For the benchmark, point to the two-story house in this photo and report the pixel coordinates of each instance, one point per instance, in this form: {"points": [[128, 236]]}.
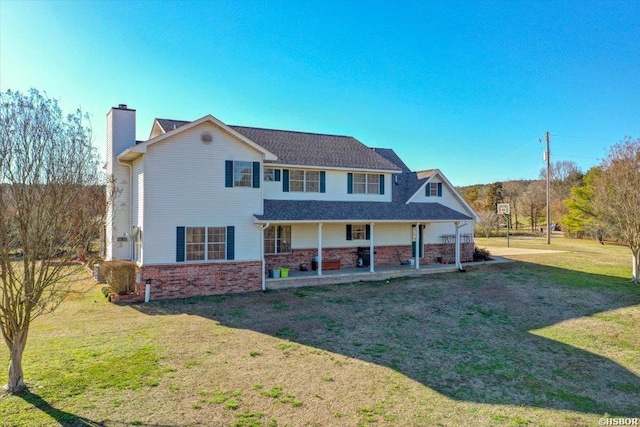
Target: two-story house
{"points": [[208, 208]]}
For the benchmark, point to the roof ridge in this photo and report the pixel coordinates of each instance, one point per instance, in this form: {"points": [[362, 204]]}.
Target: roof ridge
{"points": [[292, 131]]}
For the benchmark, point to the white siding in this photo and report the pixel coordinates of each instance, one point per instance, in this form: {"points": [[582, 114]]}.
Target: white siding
{"points": [[185, 186], [305, 236], [137, 202], [336, 189]]}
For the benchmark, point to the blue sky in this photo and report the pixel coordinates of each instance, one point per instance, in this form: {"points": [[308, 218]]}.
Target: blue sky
{"points": [[464, 86]]}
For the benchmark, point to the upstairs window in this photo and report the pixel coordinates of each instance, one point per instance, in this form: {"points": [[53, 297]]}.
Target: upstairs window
{"points": [[242, 174], [299, 180], [365, 183], [434, 189], [269, 174]]}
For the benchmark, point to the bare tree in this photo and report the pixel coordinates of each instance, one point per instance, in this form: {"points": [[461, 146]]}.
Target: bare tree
{"points": [[533, 201], [488, 221], [512, 191], [616, 197], [48, 177]]}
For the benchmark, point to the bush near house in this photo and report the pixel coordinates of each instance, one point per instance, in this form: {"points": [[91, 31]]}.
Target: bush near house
{"points": [[481, 254], [120, 276]]}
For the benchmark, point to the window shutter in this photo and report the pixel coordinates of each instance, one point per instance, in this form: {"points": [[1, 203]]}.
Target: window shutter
{"points": [[439, 189], [427, 191], [231, 234], [349, 232], [323, 182], [367, 231], [285, 180], [180, 243], [381, 184], [349, 183], [276, 175], [256, 175], [228, 173]]}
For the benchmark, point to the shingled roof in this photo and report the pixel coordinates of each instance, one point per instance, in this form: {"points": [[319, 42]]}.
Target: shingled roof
{"points": [[308, 149], [391, 155], [316, 210]]}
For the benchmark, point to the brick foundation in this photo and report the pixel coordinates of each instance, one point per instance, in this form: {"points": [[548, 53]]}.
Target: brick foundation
{"points": [[188, 280], [384, 256]]}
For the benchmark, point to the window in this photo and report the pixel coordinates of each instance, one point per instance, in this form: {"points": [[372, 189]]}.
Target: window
{"points": [[216, 242], [242, 174], [269, 174], [358, 231], [296, 180], [305, 181], [195, 243], [277, 239], [205, 243], [367, 183], [434, 189]]}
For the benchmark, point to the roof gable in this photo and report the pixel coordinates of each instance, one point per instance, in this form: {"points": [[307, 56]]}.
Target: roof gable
{"points": [[426, 176], [139, 149]]}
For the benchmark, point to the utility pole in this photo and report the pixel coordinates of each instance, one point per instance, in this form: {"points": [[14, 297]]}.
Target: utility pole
{"points": [[547, 156]]}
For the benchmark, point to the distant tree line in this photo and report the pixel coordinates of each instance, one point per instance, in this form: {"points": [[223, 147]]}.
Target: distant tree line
{"points": [[603, 203]]}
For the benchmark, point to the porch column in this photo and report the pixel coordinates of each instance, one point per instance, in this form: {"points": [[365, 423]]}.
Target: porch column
{"points": [[371, 248], [263, 262], [319, 249], [458, 264], [417, 245]]}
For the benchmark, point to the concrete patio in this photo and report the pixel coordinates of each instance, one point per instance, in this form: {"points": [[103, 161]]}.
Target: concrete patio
{"points": [[298, 279]]}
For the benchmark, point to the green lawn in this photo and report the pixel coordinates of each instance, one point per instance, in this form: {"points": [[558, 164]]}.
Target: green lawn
{"points": [[549, 340]]}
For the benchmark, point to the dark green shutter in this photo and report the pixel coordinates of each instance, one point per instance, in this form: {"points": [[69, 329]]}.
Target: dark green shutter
{"points": [[381, 184], [439, 189], [285, 180], [367, 232], [427, 192], [349, 183], [256, 175], [231, 235], [228, 173], [276, 174], [349, 232], [323, 181], [180, 242]]}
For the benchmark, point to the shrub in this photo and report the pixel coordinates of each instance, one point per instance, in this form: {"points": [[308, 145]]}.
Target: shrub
{"points": [[106, 291], [120, 276], [480, 254]]}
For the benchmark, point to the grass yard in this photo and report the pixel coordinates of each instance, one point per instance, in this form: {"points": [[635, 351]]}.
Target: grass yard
{"points": [[550, 340]]}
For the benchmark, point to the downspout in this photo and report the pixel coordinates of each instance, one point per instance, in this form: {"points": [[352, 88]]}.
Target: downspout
{"points": [[458, 262], [130, 204], [263, 261]]}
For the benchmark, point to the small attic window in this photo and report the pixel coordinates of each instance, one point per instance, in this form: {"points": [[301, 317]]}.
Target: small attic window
{"points": [[206, 138]]}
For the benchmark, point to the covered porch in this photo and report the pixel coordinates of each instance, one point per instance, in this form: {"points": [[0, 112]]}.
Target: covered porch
{"points": [[298, 279]]}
